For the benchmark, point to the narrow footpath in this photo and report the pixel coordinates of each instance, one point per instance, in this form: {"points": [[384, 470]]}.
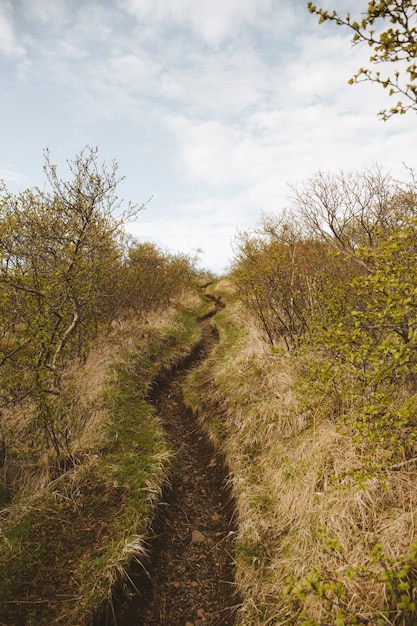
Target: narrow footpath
{"points": [[190, 576]]}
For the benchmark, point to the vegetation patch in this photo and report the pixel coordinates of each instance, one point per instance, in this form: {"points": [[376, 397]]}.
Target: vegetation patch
{"points": [[89, 318], [64, 546], [326, 508]]}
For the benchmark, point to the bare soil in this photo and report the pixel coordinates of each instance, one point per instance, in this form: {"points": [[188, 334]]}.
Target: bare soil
{"points": [[189, 580]]}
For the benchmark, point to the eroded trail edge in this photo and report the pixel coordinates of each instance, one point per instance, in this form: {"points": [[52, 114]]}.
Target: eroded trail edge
{"points": [[190, 579]]}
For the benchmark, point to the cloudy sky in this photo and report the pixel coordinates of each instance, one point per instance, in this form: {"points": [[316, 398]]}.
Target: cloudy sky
{"points": [[213, 107]]}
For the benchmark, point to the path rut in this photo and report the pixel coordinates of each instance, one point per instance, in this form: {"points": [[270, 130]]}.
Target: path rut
{"points": [[191, 577]]}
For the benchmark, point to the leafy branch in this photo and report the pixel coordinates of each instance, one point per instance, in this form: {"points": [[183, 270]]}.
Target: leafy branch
{"points": [[396, 44]]}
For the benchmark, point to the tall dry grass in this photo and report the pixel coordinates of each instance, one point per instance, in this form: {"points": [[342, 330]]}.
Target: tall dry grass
{"points": [[301, 509], [67, 539]]}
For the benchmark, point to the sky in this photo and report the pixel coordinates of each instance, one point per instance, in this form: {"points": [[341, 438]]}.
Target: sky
{"points": [[214, 108]]}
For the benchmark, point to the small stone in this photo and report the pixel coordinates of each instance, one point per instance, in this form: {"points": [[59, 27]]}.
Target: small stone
{"points": [[203, 492], [195, 584], [189, 623], [176, 584], [197, 537], [186, 479], [201, 613], [212, 463]]}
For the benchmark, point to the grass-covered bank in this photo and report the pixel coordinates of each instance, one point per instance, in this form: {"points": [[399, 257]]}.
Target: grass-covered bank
{"points": [[318, 541], [65, 541]]}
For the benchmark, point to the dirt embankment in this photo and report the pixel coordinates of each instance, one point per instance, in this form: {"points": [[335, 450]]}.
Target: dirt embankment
{"points": [[189, 580]]}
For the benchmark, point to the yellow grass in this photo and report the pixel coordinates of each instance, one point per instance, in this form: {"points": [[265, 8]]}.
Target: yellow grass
{"points": [[300, 508], [120, 458]]}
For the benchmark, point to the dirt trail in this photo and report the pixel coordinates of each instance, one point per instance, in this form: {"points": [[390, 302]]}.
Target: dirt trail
{"points": [[191, 569]]}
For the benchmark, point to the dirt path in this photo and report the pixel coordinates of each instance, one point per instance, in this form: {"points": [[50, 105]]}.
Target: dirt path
{"points": [[191, 569]]}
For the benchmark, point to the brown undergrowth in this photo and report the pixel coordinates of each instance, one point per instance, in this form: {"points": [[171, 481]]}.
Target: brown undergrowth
{"points": [[317, 543], [67, 537]]}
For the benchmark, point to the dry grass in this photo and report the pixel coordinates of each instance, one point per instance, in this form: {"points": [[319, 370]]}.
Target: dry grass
{"points": [[300, 507], [83, 412], [68, 538]]}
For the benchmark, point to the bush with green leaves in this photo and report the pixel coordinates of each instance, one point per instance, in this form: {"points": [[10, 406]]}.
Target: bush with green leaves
{"points": [[337, 283]]}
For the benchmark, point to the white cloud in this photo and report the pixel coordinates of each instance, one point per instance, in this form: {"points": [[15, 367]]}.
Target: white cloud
{"points": [[264, 150], [11, 176], [207, 224], [206, 149], [58, 12], [223, 83], [9, 45], [212, 20], [133, 72]]}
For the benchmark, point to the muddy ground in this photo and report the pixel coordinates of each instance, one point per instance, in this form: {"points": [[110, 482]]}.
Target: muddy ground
{"points": [[189, 580]]}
